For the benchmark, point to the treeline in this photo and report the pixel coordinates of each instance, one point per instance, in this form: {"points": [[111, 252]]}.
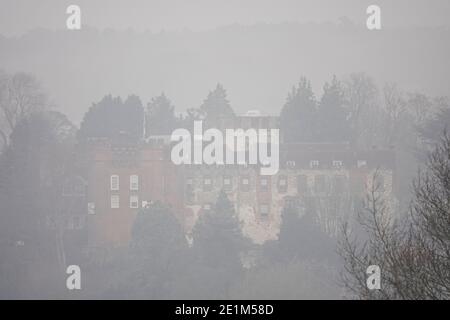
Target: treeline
{"points": [[353, 110], [37, 157]]}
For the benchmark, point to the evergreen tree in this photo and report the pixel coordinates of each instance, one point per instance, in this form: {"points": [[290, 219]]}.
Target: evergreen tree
{"points": [[161, 118], [218, 245], [333, 121], [158, 253], [112, 117], [216, 106], [301, 238], [298, 116], [218, 237]]}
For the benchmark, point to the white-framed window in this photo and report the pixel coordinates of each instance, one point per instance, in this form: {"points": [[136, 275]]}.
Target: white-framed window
{"points": [[134, 201], [91, 207], [134, 182], [207, 184], [245, 184], [114, 182], [362, 163], [264, 184], [290, 164], [282, 184], [115, 201], [337, 164], [226, 181], [314, 164]]}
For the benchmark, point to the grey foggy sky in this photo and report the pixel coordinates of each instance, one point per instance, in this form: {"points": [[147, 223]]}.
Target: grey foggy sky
{"points": [[19, 16]]}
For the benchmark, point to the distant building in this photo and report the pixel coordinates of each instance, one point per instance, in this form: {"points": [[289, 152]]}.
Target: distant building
{"points": [[326, 180], [124, 177]]}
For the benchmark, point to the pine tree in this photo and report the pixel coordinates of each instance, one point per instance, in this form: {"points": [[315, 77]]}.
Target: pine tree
{"points": [[161, 118], [216, 106], [297, 118], [333, 121], [218, 239]]}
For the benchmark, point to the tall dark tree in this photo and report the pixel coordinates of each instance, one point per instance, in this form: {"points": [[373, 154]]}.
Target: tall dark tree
{"points": [[218, 247], [157, 254], [160, 118], [216, 106], [333, 121], [33, 169], [298, 116], [112, 117], [301, 238]]}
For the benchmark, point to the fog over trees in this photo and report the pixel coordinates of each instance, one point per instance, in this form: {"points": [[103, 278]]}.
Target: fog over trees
{"points": [[216, 261], [67, 123]]}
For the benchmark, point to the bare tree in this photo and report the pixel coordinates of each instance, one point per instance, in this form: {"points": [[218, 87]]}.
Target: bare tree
{"points": [[395, 109], [20, 95], [413, 253], [361, 95]]}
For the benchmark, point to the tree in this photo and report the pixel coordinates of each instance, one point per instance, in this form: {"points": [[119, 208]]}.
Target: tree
{"points": [[157, 254], [218, 247], [298, 116], [33, 169], [361, 94], [112, 117], [332, 116], [432, 128], [216, 106], [160, 118], [413, 253], [300, 238], [20, 95]]}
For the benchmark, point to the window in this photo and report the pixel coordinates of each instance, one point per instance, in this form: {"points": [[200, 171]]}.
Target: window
{"points": [[114, 182], [207, 184], [134, 182], [189, 190], [302, 184], [114, 202], [337, 164], [207, 207], [227, 183], [264, 210], [282, 184], [76, 223], [290, 164], [362, 163], [314, 164], [245, 184], [91, 208], [264, 184], [134, 202], [319, 183]]}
